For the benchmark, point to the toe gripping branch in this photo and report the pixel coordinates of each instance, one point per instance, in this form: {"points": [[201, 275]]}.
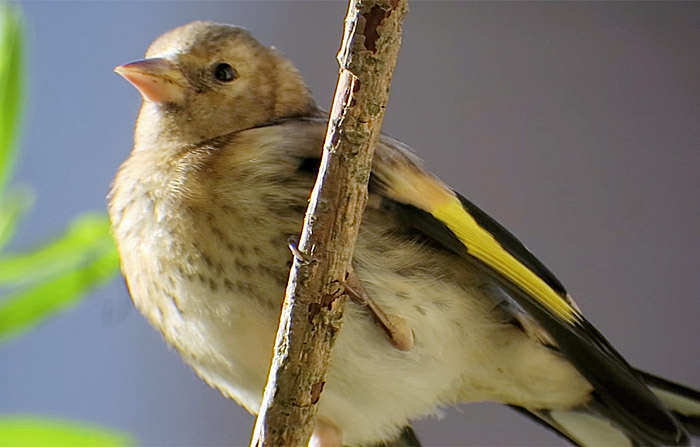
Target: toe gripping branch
{"points": [[394, 327]]}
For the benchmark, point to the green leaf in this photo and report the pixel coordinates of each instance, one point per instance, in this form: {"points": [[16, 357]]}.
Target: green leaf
{"points": [[11, 88], [12, 209], [24, 310], [30, 431], [86, 235]]}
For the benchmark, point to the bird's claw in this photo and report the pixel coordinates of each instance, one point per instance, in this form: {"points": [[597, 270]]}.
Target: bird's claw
{"points": [[395, 328], [293, 244]]}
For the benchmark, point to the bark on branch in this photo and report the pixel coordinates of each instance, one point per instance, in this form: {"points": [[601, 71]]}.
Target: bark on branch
{"points": [[313, 306]]}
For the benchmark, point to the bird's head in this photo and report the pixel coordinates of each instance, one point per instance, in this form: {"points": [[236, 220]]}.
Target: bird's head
{"points": [[205, 79]]}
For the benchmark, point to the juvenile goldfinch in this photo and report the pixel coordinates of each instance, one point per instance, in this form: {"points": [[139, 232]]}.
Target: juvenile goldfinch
{"points": [[226, 149]]}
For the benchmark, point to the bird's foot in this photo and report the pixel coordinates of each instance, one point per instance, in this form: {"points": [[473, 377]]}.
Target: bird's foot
{"points": [[293, 244], [325, 434], [396, 329]]}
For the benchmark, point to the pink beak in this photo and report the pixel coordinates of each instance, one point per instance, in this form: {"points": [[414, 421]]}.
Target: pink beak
{"points": [[157, 79]]}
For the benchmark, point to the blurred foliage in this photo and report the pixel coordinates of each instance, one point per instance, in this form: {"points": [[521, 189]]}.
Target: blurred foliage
{"points": [[59, 274], [11, 88], [55, 276], [31, 431], [15, 203], [50, 278]]}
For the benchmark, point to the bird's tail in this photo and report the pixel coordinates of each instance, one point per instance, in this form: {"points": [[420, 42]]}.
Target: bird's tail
{"points": [[682, 402], [589, 426]]}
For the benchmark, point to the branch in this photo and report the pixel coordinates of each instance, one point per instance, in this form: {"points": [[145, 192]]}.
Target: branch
{"points": [[313, 306]]}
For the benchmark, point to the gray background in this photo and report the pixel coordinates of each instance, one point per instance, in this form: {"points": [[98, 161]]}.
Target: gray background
{"points": [[576, 125]]}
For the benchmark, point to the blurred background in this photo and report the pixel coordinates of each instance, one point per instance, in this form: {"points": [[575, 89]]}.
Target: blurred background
{"points": [[577, 125]]}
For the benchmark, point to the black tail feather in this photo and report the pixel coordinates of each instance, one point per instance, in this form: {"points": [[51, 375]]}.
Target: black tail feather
{"points": [[681, 401], [590, 424]]}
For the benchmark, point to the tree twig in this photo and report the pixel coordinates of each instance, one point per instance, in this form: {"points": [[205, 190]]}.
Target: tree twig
{"points": [[313, 306]]}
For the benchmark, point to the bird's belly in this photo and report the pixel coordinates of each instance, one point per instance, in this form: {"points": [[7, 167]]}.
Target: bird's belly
{"points": [[371, 388], [225, 336], [220, 311]]}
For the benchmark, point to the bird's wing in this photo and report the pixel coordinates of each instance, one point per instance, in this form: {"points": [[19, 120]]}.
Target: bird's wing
{"points": [[427, 205]]}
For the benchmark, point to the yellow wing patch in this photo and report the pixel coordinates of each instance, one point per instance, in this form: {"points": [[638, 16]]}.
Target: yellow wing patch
{"points": [[408, 184], [483, 246]]}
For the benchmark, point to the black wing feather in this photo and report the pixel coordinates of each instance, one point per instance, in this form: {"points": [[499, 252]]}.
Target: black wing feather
{"points": [[618, 387], [512, 245]]}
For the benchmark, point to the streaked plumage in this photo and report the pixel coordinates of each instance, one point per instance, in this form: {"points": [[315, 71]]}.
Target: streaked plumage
{"points": [[218, 180]]}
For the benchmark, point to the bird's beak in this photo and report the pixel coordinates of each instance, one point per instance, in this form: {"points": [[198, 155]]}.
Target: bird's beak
{"points": [[157, 79]]}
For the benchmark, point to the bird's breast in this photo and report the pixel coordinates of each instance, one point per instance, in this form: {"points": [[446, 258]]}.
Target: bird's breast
{"points": [[207, 273]]}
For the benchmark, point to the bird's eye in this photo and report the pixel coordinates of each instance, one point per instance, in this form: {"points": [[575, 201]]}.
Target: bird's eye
{"points": [[224, 72]]}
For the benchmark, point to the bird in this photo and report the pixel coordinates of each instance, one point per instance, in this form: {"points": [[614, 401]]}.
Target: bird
{"points": [[226, 148]]}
